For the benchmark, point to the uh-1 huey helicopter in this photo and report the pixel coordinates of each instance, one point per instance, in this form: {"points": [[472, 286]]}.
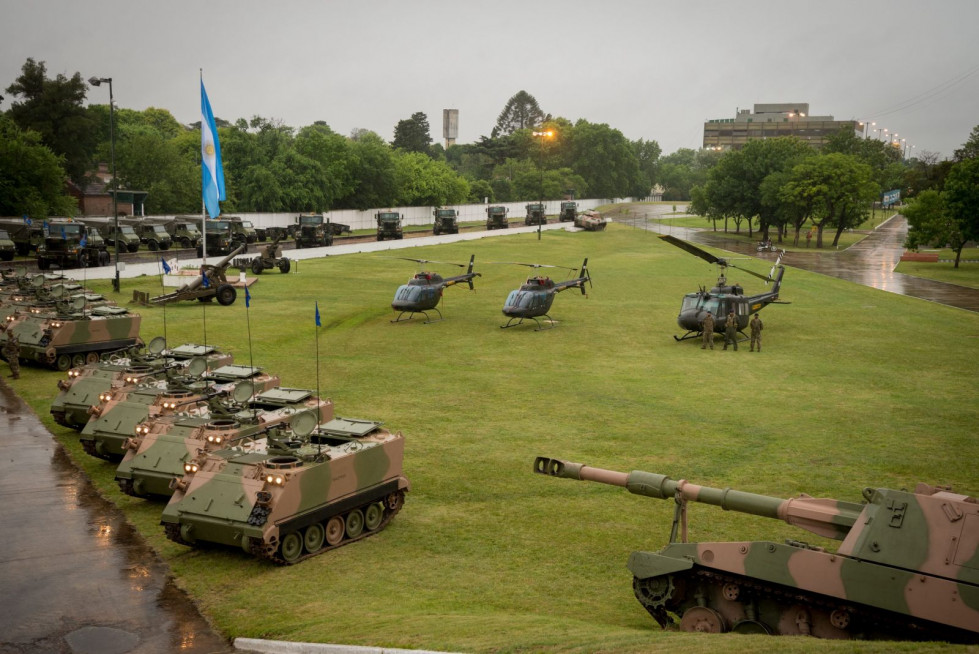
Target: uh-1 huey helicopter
{"points": [[423, 292], [723, 298], [535, 297]]}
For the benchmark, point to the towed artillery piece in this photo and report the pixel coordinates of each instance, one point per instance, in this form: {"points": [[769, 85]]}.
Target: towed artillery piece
{"points": [[293, 494], [211, 283], [907, 568], [269, 258]]}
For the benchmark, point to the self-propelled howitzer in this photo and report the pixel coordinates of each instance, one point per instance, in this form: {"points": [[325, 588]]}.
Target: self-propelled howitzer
{"points": [[907, 567]]}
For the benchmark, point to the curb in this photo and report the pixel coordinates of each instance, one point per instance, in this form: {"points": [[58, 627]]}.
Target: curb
{"points": [[260, 646]]}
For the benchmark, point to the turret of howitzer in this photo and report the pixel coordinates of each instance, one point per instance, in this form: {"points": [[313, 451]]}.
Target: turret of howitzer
{"points": [[907, 567]]}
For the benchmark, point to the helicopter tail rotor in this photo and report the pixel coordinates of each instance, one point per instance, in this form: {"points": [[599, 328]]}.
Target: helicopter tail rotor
{"points": [[585, 275]]}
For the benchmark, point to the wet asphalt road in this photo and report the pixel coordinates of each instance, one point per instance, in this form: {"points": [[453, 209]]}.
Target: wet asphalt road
{"points": [[75, 578]]}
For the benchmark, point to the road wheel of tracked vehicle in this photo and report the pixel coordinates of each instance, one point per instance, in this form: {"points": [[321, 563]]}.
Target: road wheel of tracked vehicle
{"points": [[313, 538], [284, 266], [355, 523], [63, 362], [104, 258], [373, 516], [702, 619], [257, 266], [291, 547], [92, 358], [751, 627], [78, 361], [334, 530], [226, 295]]}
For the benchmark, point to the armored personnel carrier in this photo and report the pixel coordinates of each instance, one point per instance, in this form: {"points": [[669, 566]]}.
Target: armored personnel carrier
{"points": [[80, 391], [74, 335], [591, 221], [118, 413], [162, 446], [296, 493], [906, 569]]}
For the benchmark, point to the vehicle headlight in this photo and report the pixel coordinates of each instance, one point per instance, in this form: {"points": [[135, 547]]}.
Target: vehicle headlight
{"points": [[105, 397], [214, 439], [142, 430], [275, 479], [190, 467]]}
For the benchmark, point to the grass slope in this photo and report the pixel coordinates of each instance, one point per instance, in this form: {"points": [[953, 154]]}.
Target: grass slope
{"points": [[855, 387]]}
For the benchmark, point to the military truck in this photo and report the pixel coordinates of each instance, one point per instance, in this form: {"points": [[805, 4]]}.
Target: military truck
{"points": [[297, 493], [152, 232], [27, 234], [125, 238], [312, 230], [68, 243], [242, 231], [446, 222], [496, 218], [185, 231], [7, 247], [388, 225], [219, 239], [535, 214], [569, 211]]}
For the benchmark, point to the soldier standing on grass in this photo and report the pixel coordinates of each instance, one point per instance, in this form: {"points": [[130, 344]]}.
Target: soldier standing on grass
{"points": [[756, 328], [11, 351], [708, 329], [731, 331]]}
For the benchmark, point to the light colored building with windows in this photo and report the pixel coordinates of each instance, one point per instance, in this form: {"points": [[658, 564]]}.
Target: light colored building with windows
{"points": [[770, 120]]}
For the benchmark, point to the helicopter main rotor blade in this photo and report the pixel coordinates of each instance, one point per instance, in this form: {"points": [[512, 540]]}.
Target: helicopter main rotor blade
{"points": [[767, 278], [444, 263], [529, 265], [692, 249]]}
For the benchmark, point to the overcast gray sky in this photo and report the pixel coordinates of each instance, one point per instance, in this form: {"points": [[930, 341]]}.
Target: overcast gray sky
{"points": [[654, 70]]}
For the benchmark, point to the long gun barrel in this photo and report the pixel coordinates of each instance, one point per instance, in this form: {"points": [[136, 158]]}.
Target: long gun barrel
{"points": [[825, 517], [219, 267]]}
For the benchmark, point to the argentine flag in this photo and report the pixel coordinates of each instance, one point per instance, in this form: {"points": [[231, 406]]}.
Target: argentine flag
{"points": [[212, 172]]}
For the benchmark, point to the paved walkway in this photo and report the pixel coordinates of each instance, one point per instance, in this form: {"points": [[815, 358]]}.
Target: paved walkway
{"points": [[76, 578]]}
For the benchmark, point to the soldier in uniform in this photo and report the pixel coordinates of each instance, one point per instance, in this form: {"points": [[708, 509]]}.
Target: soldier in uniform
{"points": [[731, 331], [708, 330], [11, 351], [756, 328]]}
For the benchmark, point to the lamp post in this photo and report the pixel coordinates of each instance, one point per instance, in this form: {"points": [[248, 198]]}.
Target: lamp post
{"points": [[98, 81], [542, 135], [866, 129]]}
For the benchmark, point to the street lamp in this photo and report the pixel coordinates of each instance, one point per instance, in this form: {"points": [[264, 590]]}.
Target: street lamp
{"points": [[98, 81], [542, 135], [866, 128]]}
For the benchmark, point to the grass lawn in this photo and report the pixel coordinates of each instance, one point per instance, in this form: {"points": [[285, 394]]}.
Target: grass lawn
{"points": [[855, 387], [967, 274]]}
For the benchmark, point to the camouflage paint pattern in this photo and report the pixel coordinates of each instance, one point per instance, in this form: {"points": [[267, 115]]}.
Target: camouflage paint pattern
{"points": [[61, 341], [115, 418], [591, 221], [81, 390], [293, 505], [157, 453], [907, 567]]}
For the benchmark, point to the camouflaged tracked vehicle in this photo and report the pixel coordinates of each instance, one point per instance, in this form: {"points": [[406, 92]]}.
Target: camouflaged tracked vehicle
{"points": [[162, 446], [294, 494], [188, 391], [75, 336], [84, 385], [907, 568], [591, 221]]}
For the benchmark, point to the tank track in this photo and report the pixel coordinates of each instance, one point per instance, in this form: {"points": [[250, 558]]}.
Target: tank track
{"points": [[865, 622], [261, 550], [126, 486], [89, 447]]}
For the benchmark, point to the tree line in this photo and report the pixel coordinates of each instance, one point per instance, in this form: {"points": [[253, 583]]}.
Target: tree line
{"points": [[50, 134]]}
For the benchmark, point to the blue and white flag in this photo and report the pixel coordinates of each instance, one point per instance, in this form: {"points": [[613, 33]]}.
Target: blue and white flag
{"points": [[64, 237], [84, 241], [27, 219], [207, 284], [166, 267], [212, 171], [248, 298], [317, 314]]}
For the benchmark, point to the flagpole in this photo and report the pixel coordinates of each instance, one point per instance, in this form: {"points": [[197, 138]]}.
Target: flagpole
{"points": [[317, 355], [248, 323], [164, 289]]}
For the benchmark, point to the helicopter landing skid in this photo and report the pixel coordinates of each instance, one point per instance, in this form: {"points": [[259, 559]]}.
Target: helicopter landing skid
{"points": [[540, 327], [686, 336], [428, 320]]}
